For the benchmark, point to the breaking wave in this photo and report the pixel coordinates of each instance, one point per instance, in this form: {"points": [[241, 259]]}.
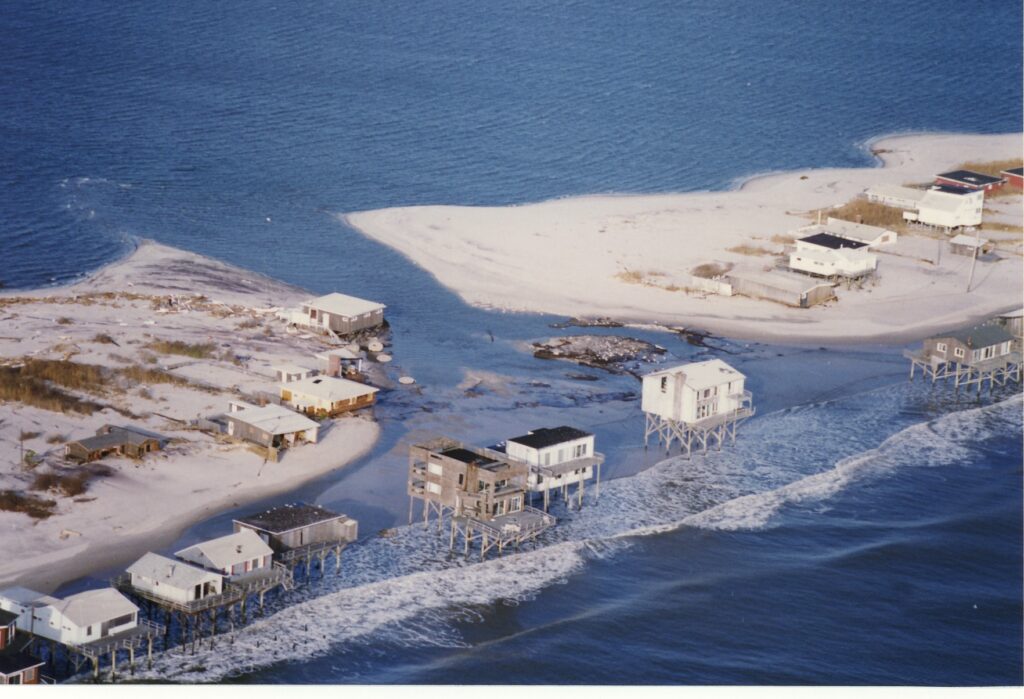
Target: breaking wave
{"points": [[409, 590]]}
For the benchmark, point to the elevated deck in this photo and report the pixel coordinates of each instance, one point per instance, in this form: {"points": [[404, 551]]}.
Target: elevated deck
{"points": [[504, 530], [998, 371], [714, 429]]}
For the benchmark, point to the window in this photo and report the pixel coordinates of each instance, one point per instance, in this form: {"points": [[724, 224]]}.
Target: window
{"points": [[88, 631], [958, 352], [462, 479], [581, 450], [664, 384], [940, 347]]}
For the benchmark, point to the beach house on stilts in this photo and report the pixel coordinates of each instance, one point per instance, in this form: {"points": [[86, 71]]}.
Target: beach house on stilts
{"points": [[299, 532], [970, 357], [557, 457], [482, 490], [16, 666], [697, 404]]}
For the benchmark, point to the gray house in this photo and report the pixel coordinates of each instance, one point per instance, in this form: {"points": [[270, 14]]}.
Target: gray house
{"points": [[269, 425], [969, 347], [341, 314], [113, 439], [299, 525]]}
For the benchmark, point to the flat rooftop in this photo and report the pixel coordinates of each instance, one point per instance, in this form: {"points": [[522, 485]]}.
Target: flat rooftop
{"points": [[297, 515], [468, 457], [833, 242], [949, 190], [969, 178], [549, 436]]}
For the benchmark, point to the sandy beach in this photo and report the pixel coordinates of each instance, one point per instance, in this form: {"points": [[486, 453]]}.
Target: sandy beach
{"points": [[116, 319], [615, 255]]}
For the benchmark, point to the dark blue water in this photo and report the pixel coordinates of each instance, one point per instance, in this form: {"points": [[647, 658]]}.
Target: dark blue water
{"points": [[241, 129]]}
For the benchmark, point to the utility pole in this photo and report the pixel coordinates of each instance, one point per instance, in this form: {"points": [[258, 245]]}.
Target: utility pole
{"points": [[974, 258]]}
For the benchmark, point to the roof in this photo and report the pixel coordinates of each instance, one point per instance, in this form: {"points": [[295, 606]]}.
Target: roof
{"points": [[981, 336], [344, 305], [830, 256], [468, 457], [226, 551], [549, 436], [1013, 314], [712, 372], [95, 606], [849, 229], [1017, 171], [13, 661], [272, 419], [968, 240], [834, 242], [291, 369], [118, 434], [25, 596], [169, 571], [279, 520], [895, 191], [938, 199], [7, 618], [329, 388], [342, 352], [959, 191], [969, 178]]}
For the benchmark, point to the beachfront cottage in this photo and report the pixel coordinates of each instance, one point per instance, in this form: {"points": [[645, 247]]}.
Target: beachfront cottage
{"points": [[969, 245], [236, 555], [300, 526], [948, 207], [173, 581], [826, 255], [557, 457], [968, 179], [341, 314], [340, 361], [75, 620], [483, 491], [286, 373], [695, 403], [1013, 321], [871, 236], [1014, 177], [970, 347], [327, 396], [893, 195], [123, 440], [272, 426], [16, 667]]}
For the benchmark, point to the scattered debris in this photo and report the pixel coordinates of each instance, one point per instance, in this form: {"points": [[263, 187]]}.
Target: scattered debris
{"points": [[607, 352]]}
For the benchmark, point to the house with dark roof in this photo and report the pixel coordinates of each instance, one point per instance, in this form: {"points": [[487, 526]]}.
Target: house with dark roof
{"points": [[300, 526], [123, 440], [968, 179], [1014, 177], [557, 457], [825, 254], [16, 666], [969, 347]]}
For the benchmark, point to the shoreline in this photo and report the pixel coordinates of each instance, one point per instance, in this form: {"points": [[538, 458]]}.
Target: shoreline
{"points": [[527, 257], [124, 513]]}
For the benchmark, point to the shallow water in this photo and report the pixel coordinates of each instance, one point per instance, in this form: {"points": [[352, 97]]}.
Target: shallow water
{"points": [[862, 529]]}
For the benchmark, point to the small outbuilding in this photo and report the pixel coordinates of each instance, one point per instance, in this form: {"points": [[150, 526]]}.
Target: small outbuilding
{"points": [[969, 245], [122, 440], [968, 179], [341, 314], [340, 361], [235, 556], [174, 581], [327, 396]]}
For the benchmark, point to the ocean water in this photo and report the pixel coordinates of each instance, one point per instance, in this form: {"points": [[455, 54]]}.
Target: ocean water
{"points": [[863, 530]]}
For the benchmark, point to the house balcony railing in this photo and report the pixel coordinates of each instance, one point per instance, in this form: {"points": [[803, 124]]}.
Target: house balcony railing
{"points": [[228, 596]]}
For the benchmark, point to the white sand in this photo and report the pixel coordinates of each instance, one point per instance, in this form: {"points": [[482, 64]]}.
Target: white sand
{"points": [[563, 256], [145, 504]]}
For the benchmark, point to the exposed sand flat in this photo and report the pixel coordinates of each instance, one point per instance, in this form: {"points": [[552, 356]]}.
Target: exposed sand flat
{"points": [[570, 256], [142, 505]]}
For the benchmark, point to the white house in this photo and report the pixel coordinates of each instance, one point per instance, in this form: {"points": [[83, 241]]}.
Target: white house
{"points": [[556, 456], [948, 207], [339, 313], [871, 236], [327, 395], [75, 620], [827, 255], [173, 580], [894, 195], [284, 373], [692, 392], [235, 555]]}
